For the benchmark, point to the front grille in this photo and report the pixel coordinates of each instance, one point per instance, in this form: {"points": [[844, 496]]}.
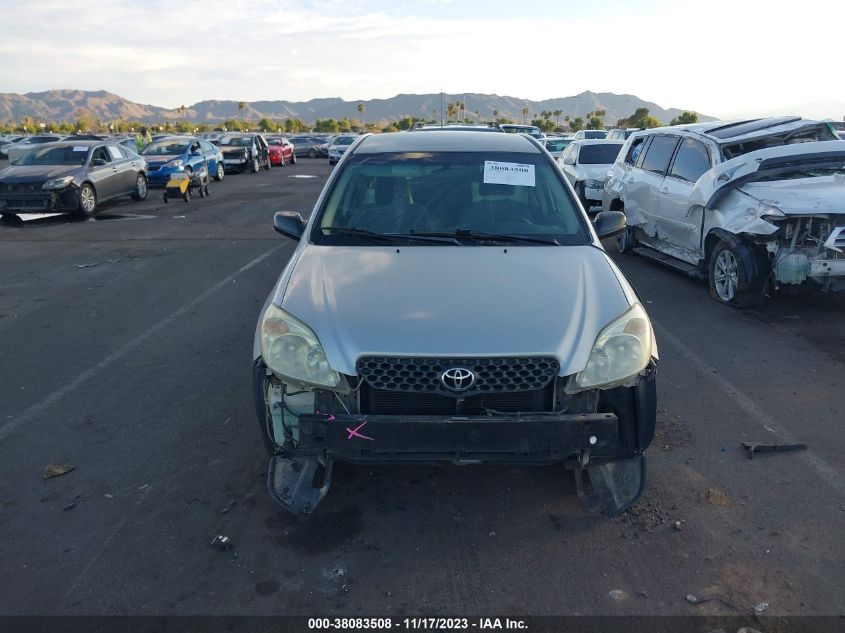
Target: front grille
{"points": [[39, 203], [153, 167], [25, 187], [423, 375], [382, 402]]}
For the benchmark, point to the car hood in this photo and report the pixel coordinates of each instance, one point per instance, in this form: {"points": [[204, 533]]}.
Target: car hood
{"points": [[593, 172], [454, 301], [30, 173], [803, 196], [756, 172]]}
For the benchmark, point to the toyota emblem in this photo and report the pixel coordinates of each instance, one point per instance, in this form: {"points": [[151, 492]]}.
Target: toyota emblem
{"points": [[457, 379]]}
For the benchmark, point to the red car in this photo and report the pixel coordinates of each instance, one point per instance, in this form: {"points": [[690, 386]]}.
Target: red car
{"points": [[281, 151]]}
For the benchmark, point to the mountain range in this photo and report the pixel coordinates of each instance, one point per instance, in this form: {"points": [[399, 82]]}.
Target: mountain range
{"points": [[67, 105]]}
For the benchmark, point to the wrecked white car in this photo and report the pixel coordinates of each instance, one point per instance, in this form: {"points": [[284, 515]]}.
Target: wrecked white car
{"points": [[751, 206], [449, 301]]}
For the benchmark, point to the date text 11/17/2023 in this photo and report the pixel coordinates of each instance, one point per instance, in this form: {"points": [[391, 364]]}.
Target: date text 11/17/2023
{"points": [[417, 624]]}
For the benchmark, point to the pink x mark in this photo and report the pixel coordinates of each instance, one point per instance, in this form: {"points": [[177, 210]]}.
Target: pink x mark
{"points": [[354, 432]]}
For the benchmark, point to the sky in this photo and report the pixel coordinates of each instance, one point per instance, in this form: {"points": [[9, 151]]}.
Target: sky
{"points": [[719, 57]]}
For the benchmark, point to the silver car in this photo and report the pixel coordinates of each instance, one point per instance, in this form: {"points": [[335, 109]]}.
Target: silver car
{"points": [[71, 176], [449, 300], [750, 206]]}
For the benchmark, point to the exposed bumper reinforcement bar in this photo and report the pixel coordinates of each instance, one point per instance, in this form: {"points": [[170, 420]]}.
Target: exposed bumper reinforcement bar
{"points": [[299, 477]]}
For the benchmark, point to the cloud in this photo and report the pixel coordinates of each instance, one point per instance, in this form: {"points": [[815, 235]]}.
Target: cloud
{"points": [[734, 56]]}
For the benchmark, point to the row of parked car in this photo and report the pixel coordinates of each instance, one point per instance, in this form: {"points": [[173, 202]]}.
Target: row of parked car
{"points": [[51, 173]]}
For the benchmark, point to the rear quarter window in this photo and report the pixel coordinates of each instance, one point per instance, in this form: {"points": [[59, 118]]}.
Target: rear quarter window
{"points": [[692, 160]]}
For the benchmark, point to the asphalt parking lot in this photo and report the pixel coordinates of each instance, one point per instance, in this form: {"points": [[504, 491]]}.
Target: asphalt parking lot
{"points": [[126, 343]]}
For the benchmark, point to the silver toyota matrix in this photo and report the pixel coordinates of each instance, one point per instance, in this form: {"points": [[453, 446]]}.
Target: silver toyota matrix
{"points": [[450, 301]]}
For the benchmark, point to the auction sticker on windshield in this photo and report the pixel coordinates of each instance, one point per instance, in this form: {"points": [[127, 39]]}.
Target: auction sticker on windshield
{"points": [[80, 148], [508, 174]]}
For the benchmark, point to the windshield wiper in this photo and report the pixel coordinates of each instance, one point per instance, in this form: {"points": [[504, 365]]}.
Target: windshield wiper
{"points": [[390, 237], [481, 236]]}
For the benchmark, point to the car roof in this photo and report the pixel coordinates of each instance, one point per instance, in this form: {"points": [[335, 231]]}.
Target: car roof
{"points": [[65, 142], [731, 131], [598, 141], [452, 141]]}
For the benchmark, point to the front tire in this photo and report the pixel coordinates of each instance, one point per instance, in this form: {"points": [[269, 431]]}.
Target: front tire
{"points": [[312, 153], [627, 240], [254, 166], [87, 201], [221, 172], [734, 276], [140, 192], [269, 164], [579, 191], [293, 158]]}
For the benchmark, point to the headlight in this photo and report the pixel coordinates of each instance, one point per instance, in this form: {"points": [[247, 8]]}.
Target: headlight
{"points": [[594, 184], [621, 351], [57, 183], [291, 349], [176, 164]]}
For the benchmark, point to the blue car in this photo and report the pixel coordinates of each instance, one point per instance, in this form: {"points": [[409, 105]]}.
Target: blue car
{"points": [[174, 154]]}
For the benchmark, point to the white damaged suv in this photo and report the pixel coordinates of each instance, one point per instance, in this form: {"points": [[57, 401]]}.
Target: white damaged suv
{"points": [[449, 300], [749, 205]]}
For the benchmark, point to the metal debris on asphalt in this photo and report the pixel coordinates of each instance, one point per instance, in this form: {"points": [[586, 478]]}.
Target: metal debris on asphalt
{"points": [[228, 507], [222, 542], [108, 495], [69, 506], [56, 470], [616, 594], [696, 600], [760, 607], [677, 525], [750, 448], [86, 265]]}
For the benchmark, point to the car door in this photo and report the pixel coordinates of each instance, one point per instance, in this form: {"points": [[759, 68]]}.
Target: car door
{"points": [[104, 174], [209, 152], [122, 169], [681, 224], [650, 172]]}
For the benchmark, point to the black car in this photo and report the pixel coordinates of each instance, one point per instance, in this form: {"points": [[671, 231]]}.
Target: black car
{"points": [[71, 176], [243, 152]]}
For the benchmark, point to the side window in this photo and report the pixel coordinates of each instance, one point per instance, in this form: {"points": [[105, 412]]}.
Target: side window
{"points": [[691, 161], [126, 152], [195, 147], [101, 154], [659, 154], [114, 152], [634, 151], [206, 146]]}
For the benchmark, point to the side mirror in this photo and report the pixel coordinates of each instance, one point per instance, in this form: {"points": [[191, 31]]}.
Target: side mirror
{"points": [[289, 223], [569, 161], [99, 162], [609, 223]]}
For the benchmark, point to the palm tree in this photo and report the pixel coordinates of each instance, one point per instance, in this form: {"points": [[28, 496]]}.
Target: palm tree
{"points": [[241, 105], [495, 114], [450, 110], [361, 109], [525, 112]]}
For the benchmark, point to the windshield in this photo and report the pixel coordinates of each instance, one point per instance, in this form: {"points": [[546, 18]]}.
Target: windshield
{"points": [[236, 141], [63, 155], [449, 192], [344, 140], [600, 154], [594, 133], [164, 148], [272, 140]]}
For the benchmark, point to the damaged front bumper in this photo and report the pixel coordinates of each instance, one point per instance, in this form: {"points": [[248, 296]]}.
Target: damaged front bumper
{"points": [[604, 448], [300, 477], [61, 200]]}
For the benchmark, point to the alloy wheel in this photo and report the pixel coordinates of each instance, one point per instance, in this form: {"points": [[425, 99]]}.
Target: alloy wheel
{"points": [[726, 275]]}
